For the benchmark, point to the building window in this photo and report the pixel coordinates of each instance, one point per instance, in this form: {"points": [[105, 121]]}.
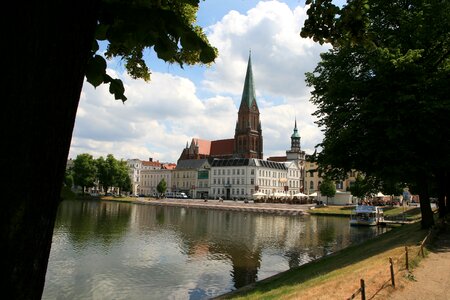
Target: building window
{"points": [[311, 185], [252, 181], [252, 172]]}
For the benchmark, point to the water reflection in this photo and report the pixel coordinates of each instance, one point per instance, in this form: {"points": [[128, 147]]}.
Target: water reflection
{"points": [[110, 250]]}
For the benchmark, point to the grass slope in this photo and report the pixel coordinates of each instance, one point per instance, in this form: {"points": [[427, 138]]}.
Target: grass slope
{"points": [[337, 276]]}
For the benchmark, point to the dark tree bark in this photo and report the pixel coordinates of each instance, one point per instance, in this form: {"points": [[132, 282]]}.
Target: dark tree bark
{"points": [[425, 206], [441, 189], [49, 43]]}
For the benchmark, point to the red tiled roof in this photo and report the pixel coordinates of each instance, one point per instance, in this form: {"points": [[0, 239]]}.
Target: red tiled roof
{"points": [[170, 166], [151, 163], [204, 146], [222, 147]]}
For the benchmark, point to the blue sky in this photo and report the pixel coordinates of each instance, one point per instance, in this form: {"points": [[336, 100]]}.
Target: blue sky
{"points": [[177, 105]]}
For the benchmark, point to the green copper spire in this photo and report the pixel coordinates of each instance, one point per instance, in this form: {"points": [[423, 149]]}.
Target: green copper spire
{"points": [[248, 95], [295, 134]]}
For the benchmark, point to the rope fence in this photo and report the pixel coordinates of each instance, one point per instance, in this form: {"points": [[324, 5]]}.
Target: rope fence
{"points": [[393, 271]]}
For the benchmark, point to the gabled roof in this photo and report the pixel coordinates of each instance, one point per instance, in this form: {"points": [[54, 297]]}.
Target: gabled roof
{"points": [[168, 166], [184, 164], [151, 163], [204, 146], [222, 147]]}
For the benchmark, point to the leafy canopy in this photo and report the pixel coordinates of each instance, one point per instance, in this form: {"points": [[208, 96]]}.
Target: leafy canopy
{"points": [[131, 26], [382, 91]]}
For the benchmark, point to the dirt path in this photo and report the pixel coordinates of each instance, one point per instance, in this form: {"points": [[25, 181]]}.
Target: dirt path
{"points": [[431, 277]]}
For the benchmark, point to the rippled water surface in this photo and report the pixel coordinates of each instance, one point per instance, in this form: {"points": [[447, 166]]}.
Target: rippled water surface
{"points": [[108, 250]]}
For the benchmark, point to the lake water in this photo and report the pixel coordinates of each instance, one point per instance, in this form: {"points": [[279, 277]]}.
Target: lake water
{"points": [[110, 250]]}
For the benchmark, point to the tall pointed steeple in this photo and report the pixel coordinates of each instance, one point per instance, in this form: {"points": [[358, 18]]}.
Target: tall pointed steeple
{"points": [[296, 153], [295, 138], [248, 141], [248, 94]]}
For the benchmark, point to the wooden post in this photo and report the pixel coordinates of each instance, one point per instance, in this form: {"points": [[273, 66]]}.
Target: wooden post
{"points": [[406, 258], [392, 271], [363, 290]]}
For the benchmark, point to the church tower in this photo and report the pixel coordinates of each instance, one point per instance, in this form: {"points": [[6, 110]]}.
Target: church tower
{"points": [[248, 141], [296, 152]]}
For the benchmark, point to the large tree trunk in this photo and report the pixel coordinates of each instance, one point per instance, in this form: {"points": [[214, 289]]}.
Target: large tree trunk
{"points": [[442, 179], [425, 206], [48, 44]]}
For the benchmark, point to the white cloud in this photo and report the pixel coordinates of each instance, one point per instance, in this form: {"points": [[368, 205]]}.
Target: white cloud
{"points": [[161, 116]]}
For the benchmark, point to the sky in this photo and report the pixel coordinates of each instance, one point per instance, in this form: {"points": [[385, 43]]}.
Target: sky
{"points": [[162, 115]]}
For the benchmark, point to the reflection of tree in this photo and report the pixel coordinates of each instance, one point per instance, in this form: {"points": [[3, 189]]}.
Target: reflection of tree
{"points": [[245, 266], [94, 221], [239, 238]]}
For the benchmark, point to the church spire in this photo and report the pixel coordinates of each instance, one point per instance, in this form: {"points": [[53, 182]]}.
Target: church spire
{"points": [[295, 138], [248, 140], [248, 94]]}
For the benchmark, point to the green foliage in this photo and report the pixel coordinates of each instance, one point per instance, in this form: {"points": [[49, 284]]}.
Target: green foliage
{"points": [[327, 188], [68, 178], [364, 186], [131, 27], [382, 91], [162, 186], [123, 180], [84, 171]]}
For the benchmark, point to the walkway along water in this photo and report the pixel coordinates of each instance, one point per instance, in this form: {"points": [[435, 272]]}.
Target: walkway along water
{"points": [[273, 208]]}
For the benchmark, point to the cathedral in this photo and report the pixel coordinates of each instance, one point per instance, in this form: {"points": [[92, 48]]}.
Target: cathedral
{"points": [[247, 141]]}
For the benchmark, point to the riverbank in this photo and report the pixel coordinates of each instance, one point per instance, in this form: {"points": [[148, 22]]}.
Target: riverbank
{"points": [[272, 208], [338, 276]]}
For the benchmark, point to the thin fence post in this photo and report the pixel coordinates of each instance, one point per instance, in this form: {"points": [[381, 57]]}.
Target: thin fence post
{"points": [[363, 290], [421, 250], [392, 271], [406, 258]]}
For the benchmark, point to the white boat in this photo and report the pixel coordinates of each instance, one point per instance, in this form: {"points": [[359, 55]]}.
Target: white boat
{"points": [[367, 215]]}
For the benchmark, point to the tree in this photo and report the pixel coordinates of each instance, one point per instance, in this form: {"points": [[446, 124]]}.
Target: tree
{"points": [[382, 90], [54, 48], [327, 188], [107, 171], [364, 186], [123, 177], [84, 171], [162, 186]]}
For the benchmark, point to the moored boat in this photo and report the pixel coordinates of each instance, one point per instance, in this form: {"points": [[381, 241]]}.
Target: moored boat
{"points": [[367, 215]]}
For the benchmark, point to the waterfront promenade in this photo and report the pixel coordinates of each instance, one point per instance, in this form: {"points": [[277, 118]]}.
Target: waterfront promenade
{"points": [[273, 208]]}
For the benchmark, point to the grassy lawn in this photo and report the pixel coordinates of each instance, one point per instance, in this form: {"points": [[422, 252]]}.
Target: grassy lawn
{"points": [[332, 210], [337, 276], [411, 212]]}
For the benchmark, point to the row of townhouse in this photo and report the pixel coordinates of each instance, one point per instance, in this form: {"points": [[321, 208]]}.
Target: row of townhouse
{"points": [[313, 179], [233, 178]]}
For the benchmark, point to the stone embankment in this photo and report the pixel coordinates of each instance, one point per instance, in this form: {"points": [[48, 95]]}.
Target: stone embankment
{"points": [[272, 208]]}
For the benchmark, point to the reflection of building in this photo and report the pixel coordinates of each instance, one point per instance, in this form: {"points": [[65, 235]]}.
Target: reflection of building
{"points": [[247, 141]]}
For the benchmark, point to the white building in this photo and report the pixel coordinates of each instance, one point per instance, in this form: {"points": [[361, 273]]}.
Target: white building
{"points": [[240, 178], [145, 175]]}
